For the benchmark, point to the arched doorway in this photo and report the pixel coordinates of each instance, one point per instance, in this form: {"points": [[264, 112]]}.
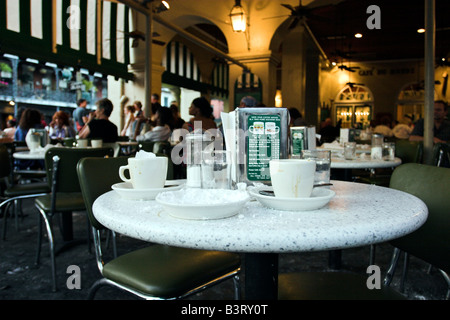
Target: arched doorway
{"points": [[354, 106], [410, 102]]}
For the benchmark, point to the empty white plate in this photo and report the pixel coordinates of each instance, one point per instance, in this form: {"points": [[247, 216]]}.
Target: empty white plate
{"points": [[202, 204], [319, 198], [126, 190]]}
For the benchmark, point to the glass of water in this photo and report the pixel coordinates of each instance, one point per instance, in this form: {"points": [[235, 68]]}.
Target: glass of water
{"points": [[323, 164], [350, 150], [388, 151], [216, 169]]}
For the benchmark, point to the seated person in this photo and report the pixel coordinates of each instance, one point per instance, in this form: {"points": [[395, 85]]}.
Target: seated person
{"points": [[441, 129], [203, 114], [60, 127], [98, 125], [161, 132]]}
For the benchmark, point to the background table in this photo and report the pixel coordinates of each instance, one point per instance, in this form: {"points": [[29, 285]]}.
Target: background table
{"points": [[358, 215], [28, 155]]}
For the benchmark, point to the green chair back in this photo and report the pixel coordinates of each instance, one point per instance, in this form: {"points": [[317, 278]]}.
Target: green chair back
{"points": [[409, 151], [5, 162], [96, 176], [146, 146], [431, 242], [67, 179], [69, 142]]}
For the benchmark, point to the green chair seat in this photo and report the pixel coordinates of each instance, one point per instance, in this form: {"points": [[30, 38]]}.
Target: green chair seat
{"points": [[64, 202], [331, 286], [167, 272], [27, 189]]}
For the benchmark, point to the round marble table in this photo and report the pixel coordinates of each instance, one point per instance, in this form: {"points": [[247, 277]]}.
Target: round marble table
{"points": [[358, 215], [363, 163]]}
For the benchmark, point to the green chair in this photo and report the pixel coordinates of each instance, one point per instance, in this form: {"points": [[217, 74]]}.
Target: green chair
{"points": [[409, 151], [157, 271], [146, 146], [13, 192], [65, 196], [431, 242]]}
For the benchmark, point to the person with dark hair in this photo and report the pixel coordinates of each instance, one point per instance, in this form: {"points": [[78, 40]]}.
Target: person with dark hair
{"points": [[98, 125], [178, 122], [10, 129], [60, 126], [441, 129], [154, 100], [162, 130], [201, 110], [296, 118], [80, 115], [30, 118]]}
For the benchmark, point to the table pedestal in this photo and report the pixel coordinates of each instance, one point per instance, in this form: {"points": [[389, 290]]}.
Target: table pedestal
{"points": [[261, 276]]}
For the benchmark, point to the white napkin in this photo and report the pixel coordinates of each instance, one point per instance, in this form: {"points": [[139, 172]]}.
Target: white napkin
{"points": [[229, 130]]}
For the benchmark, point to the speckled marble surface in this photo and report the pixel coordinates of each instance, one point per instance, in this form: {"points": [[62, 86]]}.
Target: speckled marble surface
{"points": [[359, 214]]}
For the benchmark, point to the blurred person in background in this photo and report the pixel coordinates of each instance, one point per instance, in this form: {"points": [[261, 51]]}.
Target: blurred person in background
{"points": [[60, 126]]}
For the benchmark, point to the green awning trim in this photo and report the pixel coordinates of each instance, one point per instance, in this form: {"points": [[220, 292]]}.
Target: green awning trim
{"points": [[24, 45]]}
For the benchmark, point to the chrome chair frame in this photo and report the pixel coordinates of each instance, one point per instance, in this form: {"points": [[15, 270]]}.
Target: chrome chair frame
{"points": [[106, 282]]}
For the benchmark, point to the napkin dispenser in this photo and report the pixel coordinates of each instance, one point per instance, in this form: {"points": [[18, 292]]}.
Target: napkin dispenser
{"points": [[261, 135]]}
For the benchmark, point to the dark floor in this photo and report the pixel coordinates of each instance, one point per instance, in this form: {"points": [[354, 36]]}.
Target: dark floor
{"points": [[20, 279]]}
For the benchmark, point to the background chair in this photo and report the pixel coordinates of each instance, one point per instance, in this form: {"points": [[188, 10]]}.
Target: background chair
{"points": [[157, 271], [12, 192], [441, 155], [65, 194], [431, 242], [409, 151]]}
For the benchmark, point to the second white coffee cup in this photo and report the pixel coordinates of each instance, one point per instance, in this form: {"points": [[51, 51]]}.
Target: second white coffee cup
{"points": [[292, 178], [145, 173]]}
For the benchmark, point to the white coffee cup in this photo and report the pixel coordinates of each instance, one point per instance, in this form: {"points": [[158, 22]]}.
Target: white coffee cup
{"points": [[96, 143], [82, 143], [145, 173], [292, 178]]}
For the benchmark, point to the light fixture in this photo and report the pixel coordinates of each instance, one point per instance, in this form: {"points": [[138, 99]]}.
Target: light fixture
{"points": [[163, 6], [238, 17], [358, 35], [12, 103], [421, 30]]}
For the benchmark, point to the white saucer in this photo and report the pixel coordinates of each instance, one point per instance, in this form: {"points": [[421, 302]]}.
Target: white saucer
{"points": [[202, 204], [319, 198], [126, 191]]}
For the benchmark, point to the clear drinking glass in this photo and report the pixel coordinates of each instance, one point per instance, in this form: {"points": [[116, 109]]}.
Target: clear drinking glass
{"points": [[323, 164], [216, 169], [350, 150], [389, 151]]}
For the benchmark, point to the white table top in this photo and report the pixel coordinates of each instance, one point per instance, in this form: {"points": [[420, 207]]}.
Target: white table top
{"points": [[363, 163], [359, 214]]}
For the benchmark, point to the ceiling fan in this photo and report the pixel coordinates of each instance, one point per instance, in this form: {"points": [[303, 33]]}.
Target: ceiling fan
{"points": [[137, 36], [350, 69], [301, 12]]}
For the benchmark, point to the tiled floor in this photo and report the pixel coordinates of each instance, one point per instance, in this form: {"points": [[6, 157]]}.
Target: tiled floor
{"points": [[21, 279]]}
